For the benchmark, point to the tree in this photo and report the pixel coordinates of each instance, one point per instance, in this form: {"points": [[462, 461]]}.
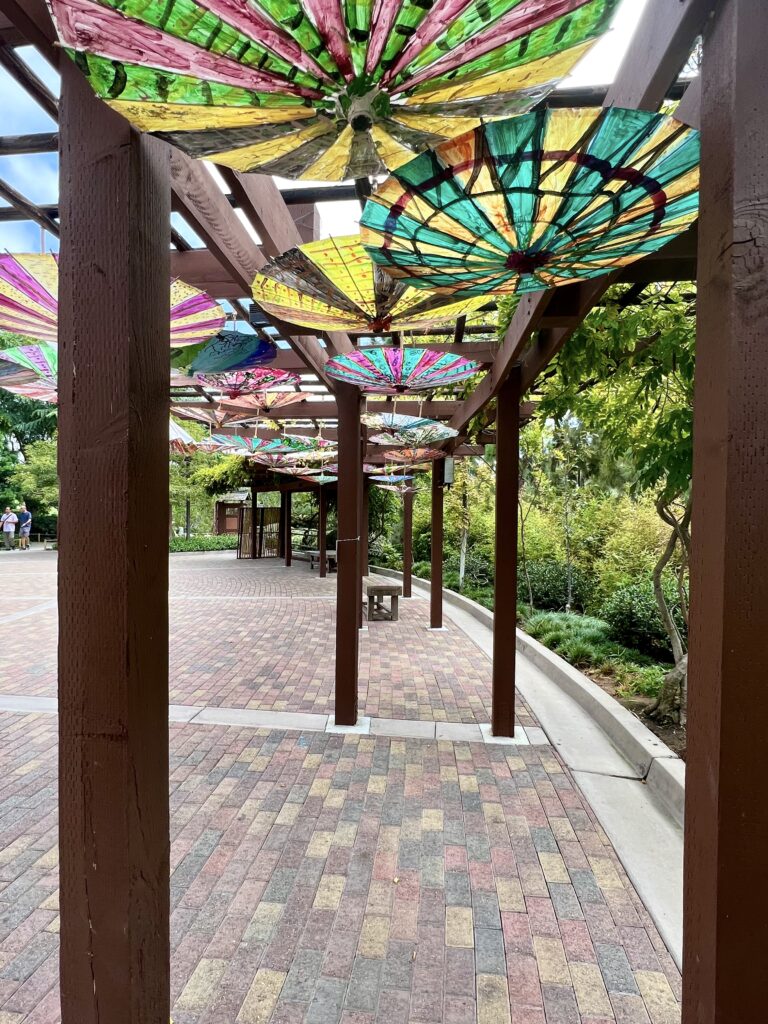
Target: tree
{"points": [[627, 375]]}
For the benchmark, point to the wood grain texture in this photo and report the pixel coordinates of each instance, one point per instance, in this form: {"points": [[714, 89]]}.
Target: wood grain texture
{"points": [[113, 566], [348, 589], [726, 813], [505, 576]]}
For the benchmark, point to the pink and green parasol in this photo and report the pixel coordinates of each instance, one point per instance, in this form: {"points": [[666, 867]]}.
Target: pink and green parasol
{"points": [[392, 371], [413, 455], [413, 431], [243, 382], [29, 303], [321, 89]]}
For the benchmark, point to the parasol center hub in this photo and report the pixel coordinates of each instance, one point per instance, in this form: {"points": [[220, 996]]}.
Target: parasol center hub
{"points": [[363, 108], [527, 262]]}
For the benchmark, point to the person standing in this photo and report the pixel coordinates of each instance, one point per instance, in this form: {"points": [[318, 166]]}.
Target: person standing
{"points": [[25, 527], [8, 522]]}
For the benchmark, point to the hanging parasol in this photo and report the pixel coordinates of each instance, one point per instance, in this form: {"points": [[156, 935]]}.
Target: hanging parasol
{"points": [[332, 284], [392, 478], [214, 414], [536, 201], [318, 89], [238, 443], [181, 442], [227, 350], [320, 479], [241, 382], [414, 455], [30, 371], [392, 371], [29, 304], [414, 431], [262, 402]]}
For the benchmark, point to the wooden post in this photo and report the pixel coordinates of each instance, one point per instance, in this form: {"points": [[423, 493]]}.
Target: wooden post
{"points": [[322, 530], [436, 584], [407, 542], [255, 549], [288, 542], [113, 567], [505, 585], [364, 527], [726, 813], [281, 527], [348, 590]]}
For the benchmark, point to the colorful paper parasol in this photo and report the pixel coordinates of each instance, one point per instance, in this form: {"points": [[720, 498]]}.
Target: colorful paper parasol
{"points": [[332, 284], [228, 350], [261, 402], [392, 371], [320, 479], [29, 304], [536, 201], [320, 89], [181, 442], [236, 442], [241, 382], [215, 415], [414, 431], [414, 455], [392, 478], [30, 371]]}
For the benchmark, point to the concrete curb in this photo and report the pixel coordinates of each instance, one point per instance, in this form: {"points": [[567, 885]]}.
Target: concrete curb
{"points": [[662, 769]]}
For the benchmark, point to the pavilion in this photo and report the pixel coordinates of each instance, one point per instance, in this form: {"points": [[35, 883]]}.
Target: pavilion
{"points": [[118, 189]]}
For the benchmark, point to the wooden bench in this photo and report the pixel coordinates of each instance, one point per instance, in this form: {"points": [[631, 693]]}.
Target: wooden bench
{"points": [[375, 590], [330, 557]]}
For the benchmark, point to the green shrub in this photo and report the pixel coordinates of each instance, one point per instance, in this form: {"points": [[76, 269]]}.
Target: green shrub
{"points": [[634, 617], [549, 585], [423, 570], [385, 554], [478, 569], [636, 679], [205, 542]]}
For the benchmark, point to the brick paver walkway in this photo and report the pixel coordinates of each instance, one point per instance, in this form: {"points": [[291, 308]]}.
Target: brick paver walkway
{"points": [[327, 878]]}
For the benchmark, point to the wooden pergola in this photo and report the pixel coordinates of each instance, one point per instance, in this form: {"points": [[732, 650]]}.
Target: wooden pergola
{"points": [[117, 193]]}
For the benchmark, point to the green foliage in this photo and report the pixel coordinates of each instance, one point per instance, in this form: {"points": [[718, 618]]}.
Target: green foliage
{"points": [[205, 542], [423, 570], [548, 581], [36, 483], [634, 617]]}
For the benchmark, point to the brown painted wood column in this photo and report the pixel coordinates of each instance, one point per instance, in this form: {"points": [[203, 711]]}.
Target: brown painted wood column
{"points": [[407, 542], [254, 523], [364, 528], [505, 576], [281, 528], [113, 567], [436, 585], [288, 542], [322, 530], [348, 589], [726, 811]]}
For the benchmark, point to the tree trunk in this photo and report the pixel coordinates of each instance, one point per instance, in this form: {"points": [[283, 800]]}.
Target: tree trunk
{"points": [[670, 707], [524, 559]]}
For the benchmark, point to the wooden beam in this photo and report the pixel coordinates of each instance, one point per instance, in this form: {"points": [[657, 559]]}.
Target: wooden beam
{"points": [[725, 918], [201, 268], [264, 207], [18, 145], [202, 203], [660, 47], [437, 410], [29, 81], [113, 577], [27, 207]]}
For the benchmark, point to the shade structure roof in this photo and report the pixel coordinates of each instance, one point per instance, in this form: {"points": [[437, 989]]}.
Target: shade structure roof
{"points": [[332, 284], [536, 201], [29, 304], [318, 89], [227, 350], [243, 382], [392, 371], [414, 431]]}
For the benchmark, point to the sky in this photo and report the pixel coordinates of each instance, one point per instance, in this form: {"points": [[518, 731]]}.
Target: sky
{"points": [[36, 176]]}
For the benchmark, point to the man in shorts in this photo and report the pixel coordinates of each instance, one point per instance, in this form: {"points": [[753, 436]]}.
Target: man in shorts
{"points": [[8, 522], [25, 527]]}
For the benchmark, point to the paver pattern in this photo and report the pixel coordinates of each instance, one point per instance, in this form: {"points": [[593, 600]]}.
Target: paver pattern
{"points": [[257, 635], [345, 879]]}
